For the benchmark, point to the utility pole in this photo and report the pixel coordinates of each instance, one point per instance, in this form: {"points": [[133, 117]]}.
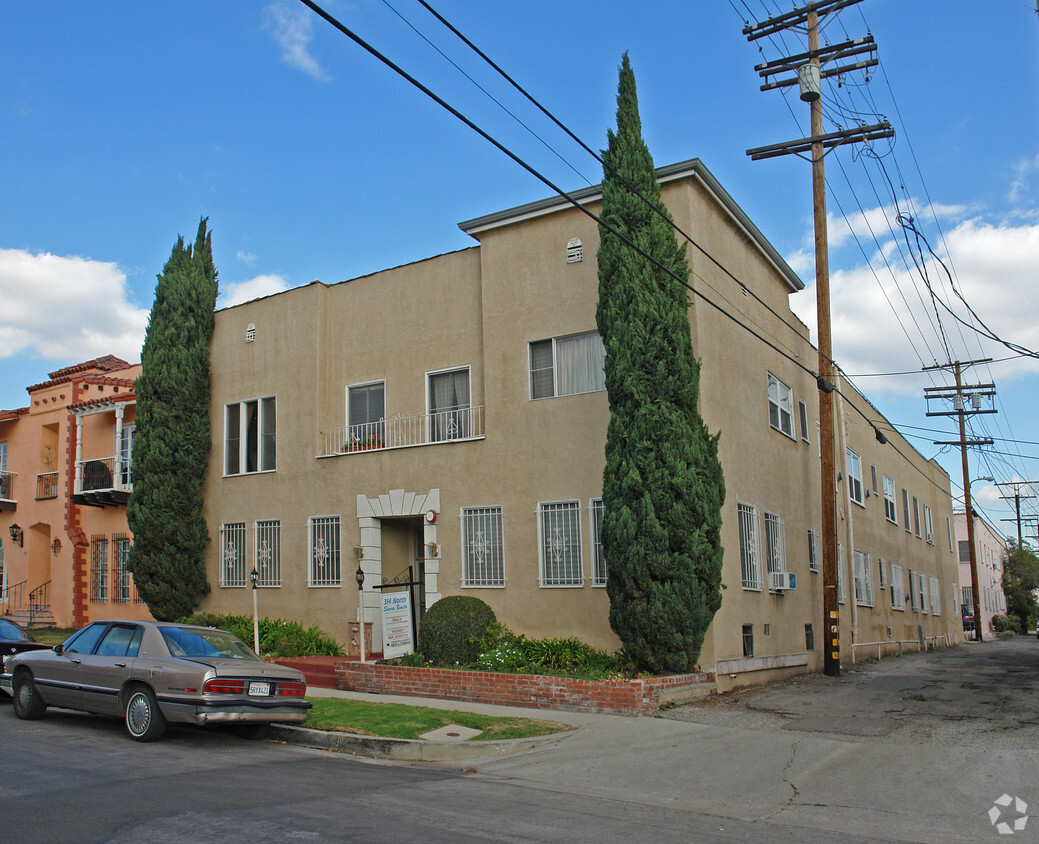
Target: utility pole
{"points": [[965, 401], [807, 71], [1017, 496]]}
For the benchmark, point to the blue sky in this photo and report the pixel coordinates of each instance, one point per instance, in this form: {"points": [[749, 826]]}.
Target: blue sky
{"points": [[123, 123]]}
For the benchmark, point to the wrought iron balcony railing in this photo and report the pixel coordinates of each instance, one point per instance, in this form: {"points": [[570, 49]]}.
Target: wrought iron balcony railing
{"points": [[444, 426]]}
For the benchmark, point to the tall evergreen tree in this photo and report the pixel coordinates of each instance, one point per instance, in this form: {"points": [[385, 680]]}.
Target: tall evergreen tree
{"points": [[172, 439], [663, 487]]}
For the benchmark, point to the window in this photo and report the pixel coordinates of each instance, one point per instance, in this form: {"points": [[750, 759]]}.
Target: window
{"points": [[365, 412], [964, 551], [232, 554], [780, 406], [126, 438], [854, 467], [98, 569], [566, 366], [750, 567], [914, 593], [559, 524], [968, 598], [5, 479], [748, 640], [802, 417], [873, 478], [916, 516], [598, 558], [120, 640], [890, 513], [863, 578], [928, 525], [936, 596], [882, 572], [905, 510], [814, 551], [450, 407], [483, 548], [121, 583], [948, 529], [775, 553], [809, 638], [250, 443], [268, 552], [898, 588], [923, 591], [324, 551]]}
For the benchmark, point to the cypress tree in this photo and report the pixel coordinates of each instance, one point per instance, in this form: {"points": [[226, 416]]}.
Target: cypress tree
{"points": [[172, 438], [663, 487]]}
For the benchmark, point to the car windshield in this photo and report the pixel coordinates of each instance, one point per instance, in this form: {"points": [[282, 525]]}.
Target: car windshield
{"points": [[205, 642], [11, 631]]}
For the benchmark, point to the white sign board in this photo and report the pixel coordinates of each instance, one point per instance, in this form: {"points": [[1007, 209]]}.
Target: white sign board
{"points": [[397, 636]]}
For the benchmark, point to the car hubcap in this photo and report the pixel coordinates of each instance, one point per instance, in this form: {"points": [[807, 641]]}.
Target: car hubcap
{"points": [[24, 696], [138, 714]]}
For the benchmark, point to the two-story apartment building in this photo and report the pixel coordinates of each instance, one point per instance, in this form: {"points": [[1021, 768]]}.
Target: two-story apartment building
{"points": [[444, 421], [990, 555], [64, 483]]}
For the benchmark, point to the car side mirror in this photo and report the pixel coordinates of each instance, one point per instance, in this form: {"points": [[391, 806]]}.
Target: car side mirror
{"points": [[59, 649]]}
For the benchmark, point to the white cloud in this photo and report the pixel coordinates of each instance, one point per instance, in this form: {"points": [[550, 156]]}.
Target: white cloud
{"points": [[245, 257], [1020, 186], [293, 29], [883, 320], [66, 308], [253, 288]]}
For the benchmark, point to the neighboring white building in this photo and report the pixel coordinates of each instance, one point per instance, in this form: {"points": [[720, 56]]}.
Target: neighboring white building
{"points": [[991, 555]]}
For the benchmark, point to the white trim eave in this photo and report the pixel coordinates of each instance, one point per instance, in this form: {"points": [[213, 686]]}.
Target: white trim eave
{"points": [[684, 169], [100, 407]]}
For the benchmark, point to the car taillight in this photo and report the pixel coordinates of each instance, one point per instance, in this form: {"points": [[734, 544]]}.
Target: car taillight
{"points": [[222, 686], [290, 688]]}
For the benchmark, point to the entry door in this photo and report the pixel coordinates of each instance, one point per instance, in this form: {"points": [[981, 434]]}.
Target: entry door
{"points": [[420, 577]]}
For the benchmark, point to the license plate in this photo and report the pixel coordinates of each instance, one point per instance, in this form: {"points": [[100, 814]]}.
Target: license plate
{"points": [[260, 689]]}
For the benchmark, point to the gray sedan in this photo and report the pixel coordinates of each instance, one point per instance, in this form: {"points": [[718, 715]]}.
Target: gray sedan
{"points": [[151, 673]]}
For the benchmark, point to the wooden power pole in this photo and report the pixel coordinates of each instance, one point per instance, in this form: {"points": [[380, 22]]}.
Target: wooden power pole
{"points": [[808, 69]]}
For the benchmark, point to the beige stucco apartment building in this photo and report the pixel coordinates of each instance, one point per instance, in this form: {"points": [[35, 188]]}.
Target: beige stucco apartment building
{"points": [[450, 416]]}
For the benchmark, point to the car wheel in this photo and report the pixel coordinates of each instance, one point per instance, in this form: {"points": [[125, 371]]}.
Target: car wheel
{"points": [[144, 721], [28, 705]]}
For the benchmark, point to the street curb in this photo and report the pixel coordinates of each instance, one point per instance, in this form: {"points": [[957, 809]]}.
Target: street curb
{"points": [[406, 750]]}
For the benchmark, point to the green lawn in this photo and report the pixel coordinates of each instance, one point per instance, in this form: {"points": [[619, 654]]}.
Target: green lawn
{"points": [[51, 635], [396, 720]]}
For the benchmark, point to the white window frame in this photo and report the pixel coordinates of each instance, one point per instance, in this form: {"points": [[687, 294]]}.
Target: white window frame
{"points": [[853, 465], [233, 551], [371, 432], [923, 592], [99, 569], [802, 417], [897, 587], [936, 596], [750, 553], [863, 578], [914, 591], [890, 508], [267, 559], [322, 554], [928, 525], [559, 538], [814, 551], [775, 545], [598, 382], [916, 517], [238, 448], [596, 511], [483, 547], [457, 421], [780, 405], [905, 510]]}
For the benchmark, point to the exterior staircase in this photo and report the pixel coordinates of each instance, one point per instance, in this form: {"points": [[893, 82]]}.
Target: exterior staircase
{"points": [[39, 617]]}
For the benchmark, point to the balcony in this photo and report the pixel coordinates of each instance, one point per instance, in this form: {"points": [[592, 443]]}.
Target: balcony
{"points": [[46, 486], [7, 499], [102, 482], [445, 426]]}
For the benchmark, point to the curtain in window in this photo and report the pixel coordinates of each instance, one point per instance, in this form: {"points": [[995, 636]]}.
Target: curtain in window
{"points": [[579, 364], [449, 405]]}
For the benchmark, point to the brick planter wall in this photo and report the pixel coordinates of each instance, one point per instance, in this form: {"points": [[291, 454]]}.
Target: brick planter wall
{"points": [[622, 697]]}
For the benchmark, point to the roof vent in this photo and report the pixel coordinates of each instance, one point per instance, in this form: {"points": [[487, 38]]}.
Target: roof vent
{"points": [[250, 333]]}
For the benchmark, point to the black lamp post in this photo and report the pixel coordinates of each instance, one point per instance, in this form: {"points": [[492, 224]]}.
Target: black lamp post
{"points": [[359, 576], [254, 578], [16, 535]]}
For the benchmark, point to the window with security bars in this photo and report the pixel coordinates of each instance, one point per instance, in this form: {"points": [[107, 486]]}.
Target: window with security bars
{"points": [[863, 579], [814, 550], [325, 567], [598, 558], [559, 524], [122, 584], [898, 588], [483, 547], [232, 554], [750, 565], [775, 551], [268, 552], [99, 569]]}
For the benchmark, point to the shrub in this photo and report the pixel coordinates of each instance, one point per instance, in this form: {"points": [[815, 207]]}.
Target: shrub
{"points": [[277, 636], [453, 628], [1000, 623]]}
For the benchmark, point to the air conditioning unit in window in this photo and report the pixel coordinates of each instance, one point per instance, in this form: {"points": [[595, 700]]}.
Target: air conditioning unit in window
{"points": [[782, 581]]}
